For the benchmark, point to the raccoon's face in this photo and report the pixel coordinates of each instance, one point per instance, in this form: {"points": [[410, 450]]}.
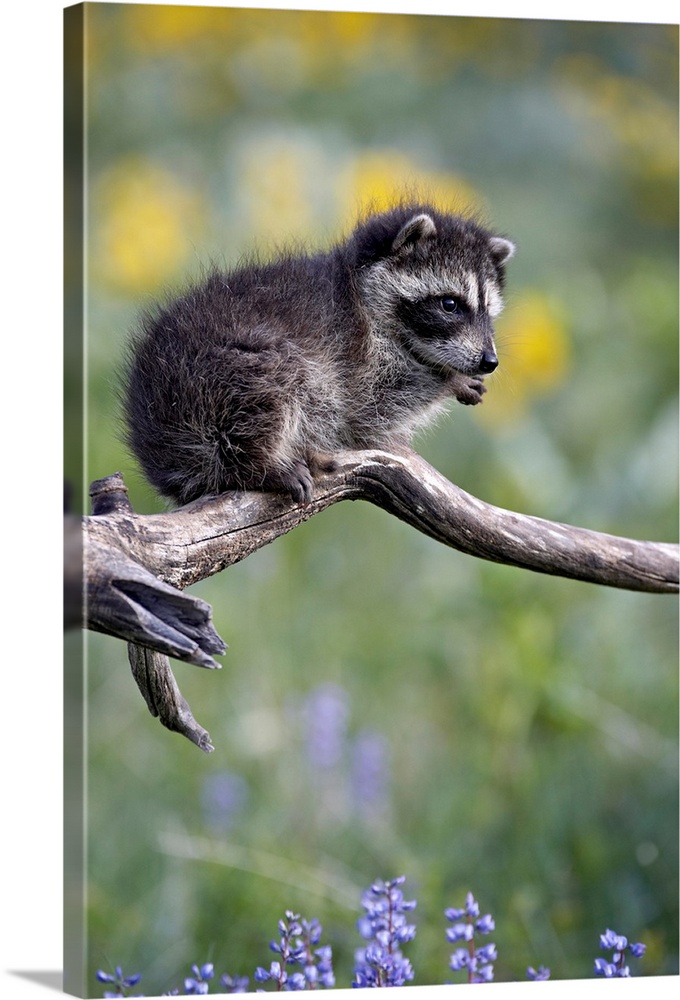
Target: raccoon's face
{"points": [[436, 286]]}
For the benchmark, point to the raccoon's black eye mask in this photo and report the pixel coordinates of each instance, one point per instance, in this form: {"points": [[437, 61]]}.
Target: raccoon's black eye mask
{"points": [[436, 317]]}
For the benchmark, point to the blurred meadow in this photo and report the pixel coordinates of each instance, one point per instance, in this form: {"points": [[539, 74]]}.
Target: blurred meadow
{"points": [[388, 706]]}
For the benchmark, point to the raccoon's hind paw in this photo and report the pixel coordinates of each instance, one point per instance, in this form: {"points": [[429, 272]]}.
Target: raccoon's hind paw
{"points": [[321, 461], [469, 391]]}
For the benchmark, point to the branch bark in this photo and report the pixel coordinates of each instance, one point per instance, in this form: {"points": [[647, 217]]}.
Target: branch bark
{"points": [[204, 537], [138, 565]]}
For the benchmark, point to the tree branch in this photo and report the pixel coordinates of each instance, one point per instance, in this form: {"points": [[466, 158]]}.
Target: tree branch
{"points": [[204, 537], [136, 566]]}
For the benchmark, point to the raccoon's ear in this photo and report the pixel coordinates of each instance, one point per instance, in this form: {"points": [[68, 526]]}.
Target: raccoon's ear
{"points": [[418, 228], [501, 249]]}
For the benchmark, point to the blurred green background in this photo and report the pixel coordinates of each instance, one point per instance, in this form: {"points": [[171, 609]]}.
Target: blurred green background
{"points": [[388, 706]]}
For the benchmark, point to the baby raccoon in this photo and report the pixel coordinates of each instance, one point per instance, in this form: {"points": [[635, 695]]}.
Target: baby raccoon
{"points": [[252, 379]]}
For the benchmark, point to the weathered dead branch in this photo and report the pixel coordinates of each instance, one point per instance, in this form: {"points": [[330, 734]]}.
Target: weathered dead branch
{"points": [[138, 565]]}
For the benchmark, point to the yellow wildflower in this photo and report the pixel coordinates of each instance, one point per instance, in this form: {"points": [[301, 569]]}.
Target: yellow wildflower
{"points": [[142, 222], [374, 180], [534, 351]]}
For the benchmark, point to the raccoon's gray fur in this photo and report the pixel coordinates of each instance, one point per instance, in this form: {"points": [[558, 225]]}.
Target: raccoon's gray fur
{"points": [[252, 379]]}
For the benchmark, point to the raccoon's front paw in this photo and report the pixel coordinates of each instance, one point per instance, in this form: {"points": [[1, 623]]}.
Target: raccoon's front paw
{"points": [[469, 390], [298, 481]]}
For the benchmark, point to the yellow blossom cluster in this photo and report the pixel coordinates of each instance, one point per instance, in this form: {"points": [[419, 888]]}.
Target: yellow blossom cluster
{"points": [[142, 218], [534, 351]]}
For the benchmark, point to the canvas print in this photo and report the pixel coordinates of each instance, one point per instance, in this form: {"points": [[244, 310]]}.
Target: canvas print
{"points": [[429, 264]]}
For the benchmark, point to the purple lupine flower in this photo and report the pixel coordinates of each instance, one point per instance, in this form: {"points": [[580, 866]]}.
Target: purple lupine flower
{"points": [[296, 981], [484, 974], [477, 962], [317, 962], [385, 927], [121, 983], [234, 984], [460, 932], [459, 959], [604, 968], [485, 924], [487, 953], [223, 796], [326, 717], [471, 909], [610, 940], [618, 944], [261, 975], [296, 946], [539, 974], [370, 776], [197, 985], [324, 968], [275, 972]]}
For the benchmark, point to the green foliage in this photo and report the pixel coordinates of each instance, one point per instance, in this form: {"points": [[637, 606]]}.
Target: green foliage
{"points": [[530, 722]]}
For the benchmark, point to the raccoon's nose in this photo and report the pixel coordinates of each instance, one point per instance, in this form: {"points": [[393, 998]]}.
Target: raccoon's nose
{"points": [[488, 363]]}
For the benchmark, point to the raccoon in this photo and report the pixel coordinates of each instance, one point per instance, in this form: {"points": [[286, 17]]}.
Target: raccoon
{"points": [[252, 379]]}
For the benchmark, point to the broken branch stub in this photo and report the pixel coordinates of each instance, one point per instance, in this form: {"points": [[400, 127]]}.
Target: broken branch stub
{"points": [[124, 599]]}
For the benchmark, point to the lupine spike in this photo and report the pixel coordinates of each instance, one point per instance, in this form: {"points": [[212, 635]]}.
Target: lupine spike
{"points": [[384, 925], [296, 946], [466, 922], [539, 974], [618, 944]]}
